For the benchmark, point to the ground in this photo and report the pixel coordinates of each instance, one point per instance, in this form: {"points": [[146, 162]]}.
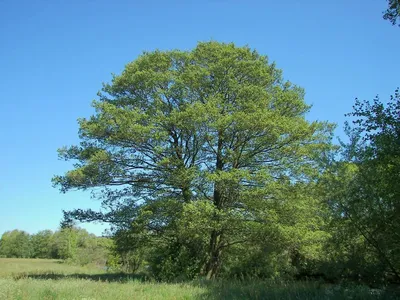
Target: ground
{"points": [[51, 279]]}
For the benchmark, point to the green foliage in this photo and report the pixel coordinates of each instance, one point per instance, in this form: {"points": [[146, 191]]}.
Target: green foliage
{"points": [[41, 244], [123, 259], [72, 244], [15, 243], [66, 243], [393, 11], [208, 167], [198, 151], [363, 194]]}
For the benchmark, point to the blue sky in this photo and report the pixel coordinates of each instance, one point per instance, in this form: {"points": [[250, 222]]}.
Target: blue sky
{"points": [[54, 56]]}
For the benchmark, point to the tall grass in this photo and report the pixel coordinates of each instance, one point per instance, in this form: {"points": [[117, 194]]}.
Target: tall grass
{"points": [[49, 279], [9, 267]]}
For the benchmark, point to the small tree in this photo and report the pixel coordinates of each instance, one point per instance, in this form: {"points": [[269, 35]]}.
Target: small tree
{"points": [[15, 243], [364, 188], [65, 243], [41, 244]]}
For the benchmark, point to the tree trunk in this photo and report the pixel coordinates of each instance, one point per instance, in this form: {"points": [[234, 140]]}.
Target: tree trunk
{"points": [[214, 252], [214, 261]]}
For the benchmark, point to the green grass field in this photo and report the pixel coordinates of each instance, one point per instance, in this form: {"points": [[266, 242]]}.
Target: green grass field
{"points": [[50, 279]]}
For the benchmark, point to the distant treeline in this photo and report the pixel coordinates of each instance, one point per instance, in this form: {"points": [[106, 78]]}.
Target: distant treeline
{"points": [[73, 244]]}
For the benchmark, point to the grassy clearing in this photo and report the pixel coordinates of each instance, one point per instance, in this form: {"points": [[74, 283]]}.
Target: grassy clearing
{"points": [[10, 267], [49, 279]]}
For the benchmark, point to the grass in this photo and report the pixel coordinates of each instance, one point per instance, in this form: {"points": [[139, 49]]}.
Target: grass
{"points": [[51, 279], [9, 267]]}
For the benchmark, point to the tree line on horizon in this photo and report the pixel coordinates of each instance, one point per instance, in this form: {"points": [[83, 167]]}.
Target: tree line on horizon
{"points": [[72, 244]]}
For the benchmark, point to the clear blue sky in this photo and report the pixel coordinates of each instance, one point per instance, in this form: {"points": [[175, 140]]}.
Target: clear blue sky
{"points": [[54, 55]]}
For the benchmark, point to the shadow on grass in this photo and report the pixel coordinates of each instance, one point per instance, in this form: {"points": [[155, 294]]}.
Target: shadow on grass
{"points": [[225, 289], [222, 290], [105, 277]]}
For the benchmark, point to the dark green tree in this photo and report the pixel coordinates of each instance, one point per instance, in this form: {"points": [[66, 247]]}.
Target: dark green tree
{"points": [[41, 244], [393, 12], [195, 152], [15, 243], [364, 191], [65, 243]]}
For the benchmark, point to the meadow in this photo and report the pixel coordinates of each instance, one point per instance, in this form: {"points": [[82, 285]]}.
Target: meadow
{"points": [[52, 279]]}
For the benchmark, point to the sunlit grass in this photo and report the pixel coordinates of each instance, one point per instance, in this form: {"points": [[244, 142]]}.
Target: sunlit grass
{"points": [[86, 289], [10, 267], [50, 279]]}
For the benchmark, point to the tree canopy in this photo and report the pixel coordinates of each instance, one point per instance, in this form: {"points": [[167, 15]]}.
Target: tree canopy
{"points": [[362, 192], [198, 152], [206, 165], [71, 244]]}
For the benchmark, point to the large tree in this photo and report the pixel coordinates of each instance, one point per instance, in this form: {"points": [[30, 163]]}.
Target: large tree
{"points": [[195, 150]]}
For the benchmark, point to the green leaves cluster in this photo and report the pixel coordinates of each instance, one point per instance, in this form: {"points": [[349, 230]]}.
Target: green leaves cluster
{"points": [[199, 152], [206, 165], [363, 192], [15, 243], [72, 244]]}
